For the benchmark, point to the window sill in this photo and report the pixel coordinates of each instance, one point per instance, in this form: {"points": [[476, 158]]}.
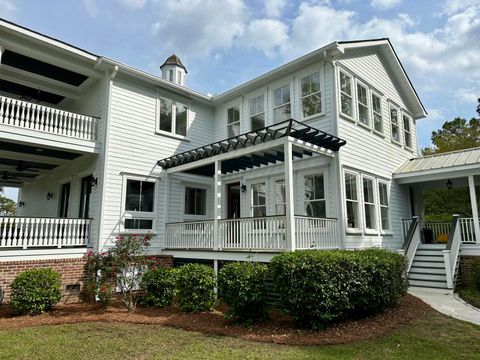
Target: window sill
{"points": [[379, 133], [371, 232], [313, 117], [347, 117], [173, 136], [365, 126], [351, 231], [386, 233], [398, 143]]}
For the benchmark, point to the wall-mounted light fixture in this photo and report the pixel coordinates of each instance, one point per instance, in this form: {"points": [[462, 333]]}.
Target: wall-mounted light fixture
{"points": [[449, 184], [243, 188], [93, 181], [21, 203], [49, 196]]}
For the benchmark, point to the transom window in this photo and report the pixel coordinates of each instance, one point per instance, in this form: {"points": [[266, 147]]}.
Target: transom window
{"points": [[377, 113], [280, 201], [233, 121], [362, 102], [369, 203], [315, 196], [195, 201], [346, 94], [352, 203], [394, 123], [281, 104], [173, 117], [407, 132], [311, 95], [258, 202], [384, 205], [139, 205], [257, 112]]}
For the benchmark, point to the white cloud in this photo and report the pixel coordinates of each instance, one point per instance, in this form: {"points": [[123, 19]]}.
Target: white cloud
{"points": [[274, 8], [133, 4], [92, 7], [7, 8], [267, 35], [384, 4]]}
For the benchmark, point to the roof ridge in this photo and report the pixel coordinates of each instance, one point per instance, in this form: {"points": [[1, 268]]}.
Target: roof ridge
{"points": [[447, 153]]}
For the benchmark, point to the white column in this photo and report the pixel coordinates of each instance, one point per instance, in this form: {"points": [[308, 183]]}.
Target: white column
{"points": [[217, 203], [289, 200], [473, 203], [1, 53]]}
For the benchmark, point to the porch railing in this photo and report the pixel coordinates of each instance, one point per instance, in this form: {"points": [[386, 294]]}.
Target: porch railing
{"points": [[316, 233], [190, 235], [467, 229], [439, 229], [42, 118], [33, 232]]}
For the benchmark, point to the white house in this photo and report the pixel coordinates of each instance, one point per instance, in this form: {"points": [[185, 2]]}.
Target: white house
{"points": [[318, 153]]}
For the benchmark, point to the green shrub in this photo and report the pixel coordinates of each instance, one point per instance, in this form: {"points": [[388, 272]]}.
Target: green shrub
{"points": [[158, 287], [319, 287], [195, 286], [35, 291], [476, 276], [241, 286]]}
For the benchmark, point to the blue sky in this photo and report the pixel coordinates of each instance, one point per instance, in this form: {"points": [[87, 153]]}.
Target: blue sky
{"points": [[226, 42]]}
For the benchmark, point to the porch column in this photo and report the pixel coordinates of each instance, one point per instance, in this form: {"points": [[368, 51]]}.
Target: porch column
{"points": [[217, 204], [289, 201], [473, 203]]}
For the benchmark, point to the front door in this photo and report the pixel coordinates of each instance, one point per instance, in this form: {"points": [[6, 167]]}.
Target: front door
{"points": [[233, 196], [64, 200]]}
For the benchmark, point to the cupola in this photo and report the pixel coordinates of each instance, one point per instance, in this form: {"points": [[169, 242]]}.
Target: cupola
{"points": [[174, 71]]}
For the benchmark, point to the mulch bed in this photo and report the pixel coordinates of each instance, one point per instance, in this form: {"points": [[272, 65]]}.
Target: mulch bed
{"points": [[279, 329]]}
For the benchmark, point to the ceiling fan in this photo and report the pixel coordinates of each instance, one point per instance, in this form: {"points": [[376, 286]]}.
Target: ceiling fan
{"points": [[21, 167]]}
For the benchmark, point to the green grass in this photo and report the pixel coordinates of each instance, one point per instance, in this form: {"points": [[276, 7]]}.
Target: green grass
{"points": [[432, 337], [470, 295]]}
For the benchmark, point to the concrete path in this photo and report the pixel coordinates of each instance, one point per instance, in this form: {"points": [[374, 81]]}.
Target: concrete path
{"points": [[448, 304]]}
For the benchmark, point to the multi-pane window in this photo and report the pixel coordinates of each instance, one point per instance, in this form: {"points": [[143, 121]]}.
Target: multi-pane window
{"points": [[384, 205], [346, 94], [352, 204], [257, 112], [259, 205], [173, 117], [179, 77], [280, 197], [170, 75], [315, 196], [377, 113], [139, 205], [362, 103], [311, 95], [138, 224], [394, 124], [195, 201], [407, 131], [233, 121], [369, 203], [281, 104]]}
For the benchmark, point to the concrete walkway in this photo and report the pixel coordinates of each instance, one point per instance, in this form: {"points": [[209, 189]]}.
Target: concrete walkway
{"points": [[448, 304]]}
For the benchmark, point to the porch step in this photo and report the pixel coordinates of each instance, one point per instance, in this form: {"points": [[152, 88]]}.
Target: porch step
{"points": [[428, 283], [429, 252], [427, 270], [431, 247], [429, 264], [427, 276], [428, 258]]}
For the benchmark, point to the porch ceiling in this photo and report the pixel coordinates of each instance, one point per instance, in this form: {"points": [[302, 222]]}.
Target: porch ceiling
{"points": [[307, 141]]}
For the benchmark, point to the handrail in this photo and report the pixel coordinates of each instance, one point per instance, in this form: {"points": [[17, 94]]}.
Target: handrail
{"points": [[411, 241], [411, 230], [450, 254]]}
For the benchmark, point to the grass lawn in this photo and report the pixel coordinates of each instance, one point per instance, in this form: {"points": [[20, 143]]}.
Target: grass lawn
{"points": [[433, 336], [470, 295]]}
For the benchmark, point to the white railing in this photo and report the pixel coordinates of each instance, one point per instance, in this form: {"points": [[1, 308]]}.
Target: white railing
{"points": [[316, 233], [411, 239], [405, 226], [265, 233], [32, 232], [438, 229], [450, 254], [190, 235], [467, 229], [37, 117]]}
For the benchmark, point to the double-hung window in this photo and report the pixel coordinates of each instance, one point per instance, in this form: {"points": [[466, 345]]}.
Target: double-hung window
{"points": [[346, 100], [233, 121], [173, 117], [407, 131], [195, 201], [394, 123], [311, 95], [352, 203], [281, 104], [258, 201], [377, 113], [257, 112], [139, 205], [280, 201], [362, 104], [369, 203], [384, 205], [315, 196]]}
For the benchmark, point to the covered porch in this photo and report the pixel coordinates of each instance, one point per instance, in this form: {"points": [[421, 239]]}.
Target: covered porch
{"points": [[284, 144]]}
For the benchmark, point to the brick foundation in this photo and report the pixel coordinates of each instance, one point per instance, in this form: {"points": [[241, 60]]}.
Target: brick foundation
{"points": [[467, 263]]}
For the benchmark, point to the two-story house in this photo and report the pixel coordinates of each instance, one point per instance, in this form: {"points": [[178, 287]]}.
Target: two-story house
{"points": [[313, 154]]}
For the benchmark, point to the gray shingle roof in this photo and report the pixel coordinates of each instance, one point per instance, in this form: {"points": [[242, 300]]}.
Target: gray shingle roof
{"points": [[174, 60]]}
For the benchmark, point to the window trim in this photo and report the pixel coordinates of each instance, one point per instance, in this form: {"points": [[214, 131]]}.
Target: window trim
{"points": [[186, 185], [340, 92], [410, 121], [378, 95], [256, 114], [325, 190], [321, 91], [236, 122], [369, 123], [383, 231], [375, 206], [289, 86], [349, 230], [250, 197], [173, 133], [394, 106]]}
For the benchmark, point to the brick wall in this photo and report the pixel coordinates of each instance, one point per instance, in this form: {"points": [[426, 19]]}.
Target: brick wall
{"points": [[467, 263]]}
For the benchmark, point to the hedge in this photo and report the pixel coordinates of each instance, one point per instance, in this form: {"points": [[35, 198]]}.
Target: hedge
{"points": [[318, 287], [196, 287], [158, 286]]}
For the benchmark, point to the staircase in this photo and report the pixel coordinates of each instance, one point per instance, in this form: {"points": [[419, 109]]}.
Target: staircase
{"points": [[428, 267]]}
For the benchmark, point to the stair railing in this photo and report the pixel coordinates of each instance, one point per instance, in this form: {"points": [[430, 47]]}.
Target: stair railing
{"points": [[450, 254], [411, 240]]}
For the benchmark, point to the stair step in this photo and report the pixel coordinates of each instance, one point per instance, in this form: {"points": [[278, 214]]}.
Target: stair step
{"points": [[428, 258], [432, 246], [427, 277], [428, 264], [429, 252], [427, 270], [426, 283]]}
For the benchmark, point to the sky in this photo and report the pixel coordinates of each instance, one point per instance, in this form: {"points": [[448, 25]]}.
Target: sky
{"points": [[224, 43]]}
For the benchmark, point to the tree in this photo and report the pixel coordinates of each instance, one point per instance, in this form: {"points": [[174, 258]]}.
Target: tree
{"points": [[8, 207]]}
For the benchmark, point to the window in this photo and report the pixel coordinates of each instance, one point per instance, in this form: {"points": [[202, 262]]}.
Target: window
{"points": [[384, 207], [377, 113], [311, 95], [315, 196], [257, 113], [170, 75], [369, 204], [280, 201], [179, 77], [394, 122], [259, 206], [362, 103], [233, 121], [195, 201], [351, 196], [139, 205], [346, 94], [173, 117], [281, 104], [407, 133]]}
